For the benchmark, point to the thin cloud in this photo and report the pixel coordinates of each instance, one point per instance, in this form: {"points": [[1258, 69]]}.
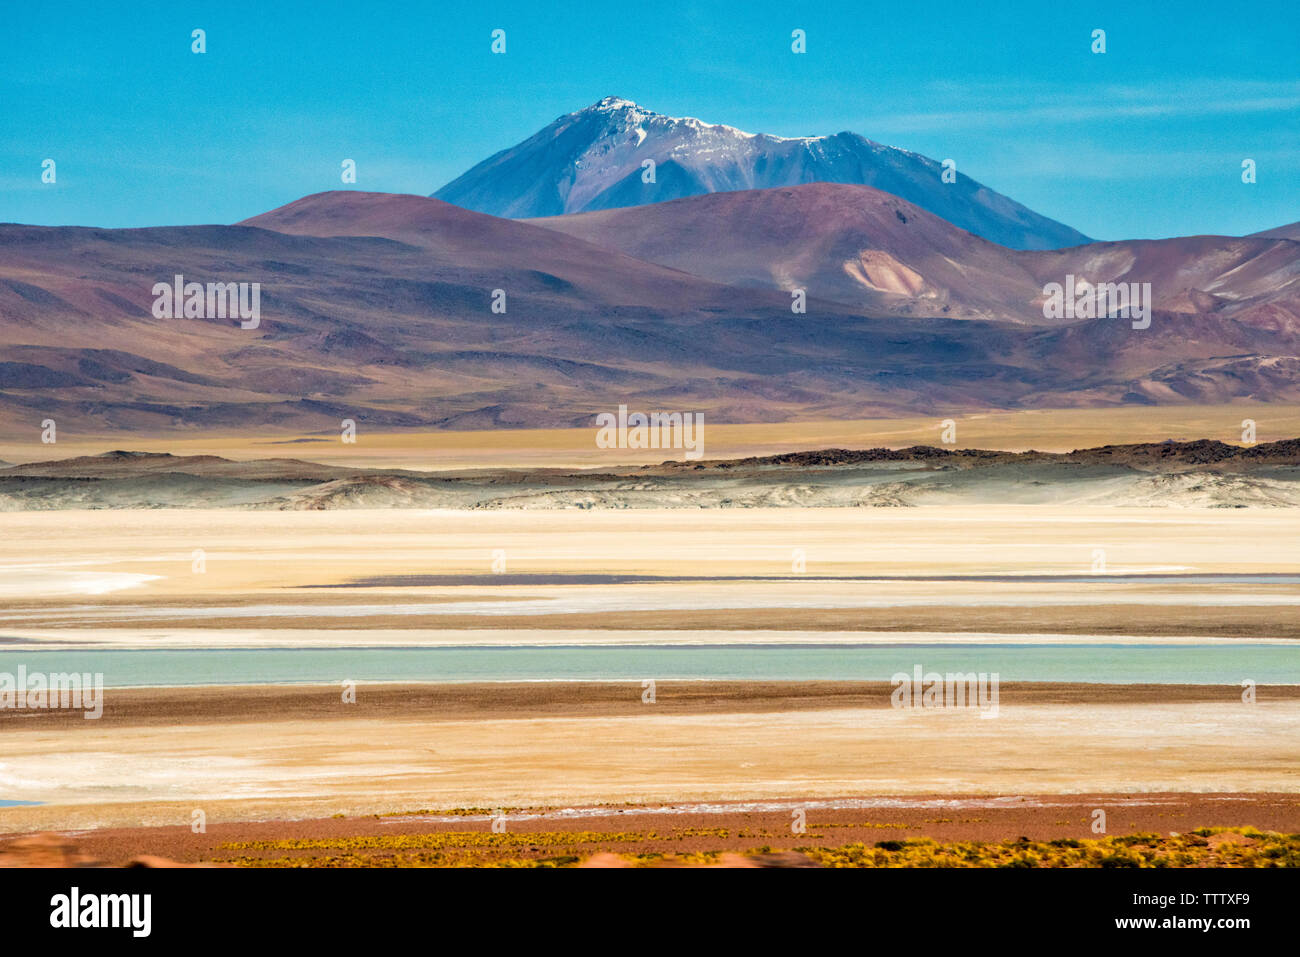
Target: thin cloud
{"points": [[981, 106]]}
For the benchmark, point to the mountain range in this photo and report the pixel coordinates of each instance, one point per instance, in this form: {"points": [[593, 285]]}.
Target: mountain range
{"points": [[593, 159], [403, 311]]}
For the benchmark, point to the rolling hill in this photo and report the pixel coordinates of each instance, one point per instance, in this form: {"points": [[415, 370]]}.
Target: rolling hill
{"points": [[875, 252]]}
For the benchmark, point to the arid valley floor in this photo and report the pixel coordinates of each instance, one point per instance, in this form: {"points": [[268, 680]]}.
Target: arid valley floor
{"points": [[640, 678]]}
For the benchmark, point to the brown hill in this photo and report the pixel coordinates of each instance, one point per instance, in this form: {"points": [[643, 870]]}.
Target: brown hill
{"points": [[377, 308], [869, 249], [851, 244], [1289, 231]]}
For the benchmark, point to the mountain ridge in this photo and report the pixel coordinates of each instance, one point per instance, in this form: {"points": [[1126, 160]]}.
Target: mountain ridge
{"points": [[378, 308]]}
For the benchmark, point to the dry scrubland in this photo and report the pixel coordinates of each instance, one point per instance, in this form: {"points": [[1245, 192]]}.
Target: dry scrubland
{"points": [[1153, 832], [1205, 847]]}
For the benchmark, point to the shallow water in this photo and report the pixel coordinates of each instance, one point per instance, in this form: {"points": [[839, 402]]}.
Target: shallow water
{"points": [[1225, 664]]}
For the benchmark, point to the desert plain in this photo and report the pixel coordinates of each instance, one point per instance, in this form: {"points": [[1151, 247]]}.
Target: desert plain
{"points": [[379, 675], [246, 750]]}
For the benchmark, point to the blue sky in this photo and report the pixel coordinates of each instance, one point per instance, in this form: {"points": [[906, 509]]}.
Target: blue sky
{"points": [[1144, 141]]}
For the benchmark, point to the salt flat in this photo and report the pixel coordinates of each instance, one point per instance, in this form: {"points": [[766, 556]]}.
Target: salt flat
{"points": [[73, 574], [115, 776], [955, 576]]}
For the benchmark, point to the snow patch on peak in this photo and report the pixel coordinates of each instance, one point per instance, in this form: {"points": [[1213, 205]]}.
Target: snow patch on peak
{"points": [[634, 115], [612, 104]]}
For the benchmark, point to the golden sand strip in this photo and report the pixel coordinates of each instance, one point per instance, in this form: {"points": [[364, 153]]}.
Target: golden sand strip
{"points": [[1047, 430]]}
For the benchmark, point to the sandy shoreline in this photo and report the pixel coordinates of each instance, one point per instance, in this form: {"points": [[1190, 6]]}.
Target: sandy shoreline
{"points": [[294, 752], [303, 638], [1134, 621], [469, 700]]}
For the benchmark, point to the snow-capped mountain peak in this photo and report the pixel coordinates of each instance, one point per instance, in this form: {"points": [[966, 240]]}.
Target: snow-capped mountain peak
{"points": [[616, 153]]}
